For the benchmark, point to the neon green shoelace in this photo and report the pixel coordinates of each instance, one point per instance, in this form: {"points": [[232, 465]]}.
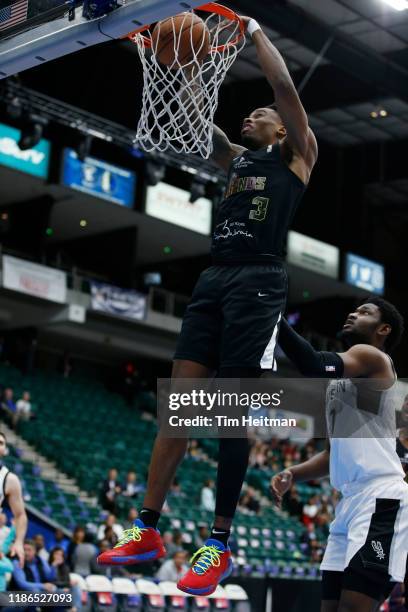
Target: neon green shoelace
{"points": [[131, 535], [209, 557]]}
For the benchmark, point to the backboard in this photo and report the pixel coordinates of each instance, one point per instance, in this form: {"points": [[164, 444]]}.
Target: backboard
{"points": [[33, 32]]}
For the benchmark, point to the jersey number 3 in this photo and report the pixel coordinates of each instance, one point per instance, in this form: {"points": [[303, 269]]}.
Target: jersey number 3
{"points": [[261, 209]]}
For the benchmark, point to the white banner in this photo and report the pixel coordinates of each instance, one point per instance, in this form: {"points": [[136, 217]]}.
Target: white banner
{"points": [[312, 254], [34, 279], [171, 204], [117, 301]]}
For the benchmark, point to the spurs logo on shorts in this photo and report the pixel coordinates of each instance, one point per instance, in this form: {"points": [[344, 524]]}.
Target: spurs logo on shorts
{"points": [[378, 549]]}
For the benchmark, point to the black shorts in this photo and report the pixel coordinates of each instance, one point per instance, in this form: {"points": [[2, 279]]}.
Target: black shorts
{"points": [[233, 317], [375, 585]]}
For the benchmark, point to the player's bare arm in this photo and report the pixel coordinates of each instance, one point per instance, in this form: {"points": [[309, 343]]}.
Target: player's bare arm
{"points": [[368, 361], [224, 151], [316, 467], [300, 143], [15, 499]]}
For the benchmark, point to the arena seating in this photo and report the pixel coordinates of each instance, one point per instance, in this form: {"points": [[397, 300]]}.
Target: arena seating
{"points": [[45, 495], [87, 430]]}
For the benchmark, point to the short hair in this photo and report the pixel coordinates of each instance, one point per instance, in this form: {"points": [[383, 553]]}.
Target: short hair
{"points": [[392, 317], [29, 542], [273, 107]]}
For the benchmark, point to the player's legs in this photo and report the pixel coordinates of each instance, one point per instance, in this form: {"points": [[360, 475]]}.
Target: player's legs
{"points": [[332, 584], [143, 542], [351, 601], [233, 461], [253, 300], [168, 452]]}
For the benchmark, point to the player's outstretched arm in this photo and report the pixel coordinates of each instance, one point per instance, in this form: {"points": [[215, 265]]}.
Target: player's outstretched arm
{"points": [[299, 135], [16, 503], [224, 151], [359, 360]]}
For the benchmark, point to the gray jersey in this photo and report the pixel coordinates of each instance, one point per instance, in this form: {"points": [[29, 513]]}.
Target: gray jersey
{"points": [[361, 422]]}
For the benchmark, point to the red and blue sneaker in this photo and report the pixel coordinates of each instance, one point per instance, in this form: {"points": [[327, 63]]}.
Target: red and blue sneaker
{"points": [[137, 545], [210, 564]]}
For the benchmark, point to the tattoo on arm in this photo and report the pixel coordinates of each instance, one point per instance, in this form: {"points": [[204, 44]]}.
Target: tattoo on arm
{"points": [[223, 150]]}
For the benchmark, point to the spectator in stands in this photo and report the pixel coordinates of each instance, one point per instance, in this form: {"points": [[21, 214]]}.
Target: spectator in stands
{"points": [[132, 488], [23, 406], [169, 545], [36, 575], [178, 540], [41, 551], [4, 529], [248, 502], [173, 569], [131, 517], [62, 580], [207, 496], [195, 452], [80, 552], [9, 407], [59, 540], [257, 457], [310, 510], [202, 536], [175, 489], [110, 490], [110, 536], [110, 521]]}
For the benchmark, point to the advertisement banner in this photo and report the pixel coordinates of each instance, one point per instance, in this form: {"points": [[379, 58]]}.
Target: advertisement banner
{"points": [[314, 255], [171, 204], [365, 274], [34, 279], [116, 301], [99, 179], [33, 161]]}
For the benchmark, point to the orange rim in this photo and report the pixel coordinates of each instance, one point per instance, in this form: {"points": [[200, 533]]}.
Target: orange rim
{"points": [[210, 7]]}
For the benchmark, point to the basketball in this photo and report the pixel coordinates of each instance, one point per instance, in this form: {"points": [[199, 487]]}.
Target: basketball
{"points": [[182, 38]]}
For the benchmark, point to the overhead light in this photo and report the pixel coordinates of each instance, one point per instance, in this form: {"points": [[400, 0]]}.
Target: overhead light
{"points": [[167, 250], [383, 113], [83, 223], [398, 5], [32, 132], [374, 115], [155, 172], [197, 190]]}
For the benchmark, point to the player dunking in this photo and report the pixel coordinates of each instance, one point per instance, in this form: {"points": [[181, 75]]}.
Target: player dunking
{"points": [[368, 543], [232, 322]]}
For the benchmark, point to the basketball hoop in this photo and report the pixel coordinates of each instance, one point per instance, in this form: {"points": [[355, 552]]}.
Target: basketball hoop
{"points": [[180, 99]]}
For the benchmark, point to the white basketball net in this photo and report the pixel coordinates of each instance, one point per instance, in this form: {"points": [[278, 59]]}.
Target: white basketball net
{"points": [[179, 101]]}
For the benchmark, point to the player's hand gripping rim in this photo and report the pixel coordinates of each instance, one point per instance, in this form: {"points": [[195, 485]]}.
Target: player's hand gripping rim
{"points": [[280, 484]]}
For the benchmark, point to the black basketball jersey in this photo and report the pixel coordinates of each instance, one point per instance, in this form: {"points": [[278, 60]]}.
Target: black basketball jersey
{"points": [[261, 199]]}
